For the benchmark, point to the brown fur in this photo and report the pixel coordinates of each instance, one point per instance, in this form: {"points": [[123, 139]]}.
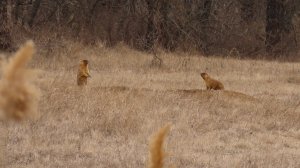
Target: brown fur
{"points": [[212, 83], [83, 73]]}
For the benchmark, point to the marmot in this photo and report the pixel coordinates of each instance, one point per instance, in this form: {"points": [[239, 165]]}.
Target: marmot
{"points": [[83, 73], [212, 83]]}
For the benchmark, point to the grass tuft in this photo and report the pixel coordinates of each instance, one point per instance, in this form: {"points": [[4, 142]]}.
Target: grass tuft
{"points": [[157, 153], [19, 97]]}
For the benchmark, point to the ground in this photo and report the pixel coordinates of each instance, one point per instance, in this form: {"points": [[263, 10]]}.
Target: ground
{"points": [[253, 123]]}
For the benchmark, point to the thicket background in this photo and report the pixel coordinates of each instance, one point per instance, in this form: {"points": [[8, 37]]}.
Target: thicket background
{"points": [[253, 123], [243, 28]]}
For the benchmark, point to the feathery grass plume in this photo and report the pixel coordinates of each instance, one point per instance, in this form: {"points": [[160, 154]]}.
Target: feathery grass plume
{"points": [[157, 153], [18, 96]]}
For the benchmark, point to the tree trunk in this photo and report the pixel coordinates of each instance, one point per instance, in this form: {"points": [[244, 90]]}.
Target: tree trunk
{"points": [[16, 14], [204, 24], [278, 24], [5, 38], [151, 32], [247, 10], [35, 8], [167, 35]]}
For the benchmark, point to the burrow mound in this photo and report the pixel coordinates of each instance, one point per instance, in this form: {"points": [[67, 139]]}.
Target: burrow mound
{"points": [[224, 95]]}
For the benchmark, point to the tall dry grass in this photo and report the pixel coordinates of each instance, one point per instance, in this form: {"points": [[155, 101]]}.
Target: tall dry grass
{"points": [[157, 153], [19, 96], [108, 123]]}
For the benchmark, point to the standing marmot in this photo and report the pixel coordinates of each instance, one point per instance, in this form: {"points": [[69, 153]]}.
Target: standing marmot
{"points": [[83, 73], [212, 83]]}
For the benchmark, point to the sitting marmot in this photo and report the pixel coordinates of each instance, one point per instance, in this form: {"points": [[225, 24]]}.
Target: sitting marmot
{"points": [[212, 83], [83, 73]]}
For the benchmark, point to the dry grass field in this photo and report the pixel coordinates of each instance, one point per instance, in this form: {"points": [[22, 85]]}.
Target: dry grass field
{"points": [[255, 122]]}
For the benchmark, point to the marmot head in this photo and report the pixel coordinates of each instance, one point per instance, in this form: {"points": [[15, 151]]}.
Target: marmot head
{"points": [[84, 62], [204, 75]]}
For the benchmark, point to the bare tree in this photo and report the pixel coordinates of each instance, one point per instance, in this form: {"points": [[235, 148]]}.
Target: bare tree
{"points": [[210, 27], [5, 38], [278, 23], [204, 23], [35, 8], [151, 30], [247, 10]]}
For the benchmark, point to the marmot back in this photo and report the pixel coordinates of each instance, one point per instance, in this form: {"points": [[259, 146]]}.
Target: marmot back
{"points": [[212, 83], [83, 73]]}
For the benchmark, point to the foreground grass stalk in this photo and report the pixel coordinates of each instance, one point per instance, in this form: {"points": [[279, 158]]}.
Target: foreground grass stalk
{"points": [[19, 97], [157, 153]]}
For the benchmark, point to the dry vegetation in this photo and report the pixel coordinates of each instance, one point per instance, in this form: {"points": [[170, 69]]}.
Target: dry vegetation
{"points": [[157, 153], [109, 122], [18, 95]]}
